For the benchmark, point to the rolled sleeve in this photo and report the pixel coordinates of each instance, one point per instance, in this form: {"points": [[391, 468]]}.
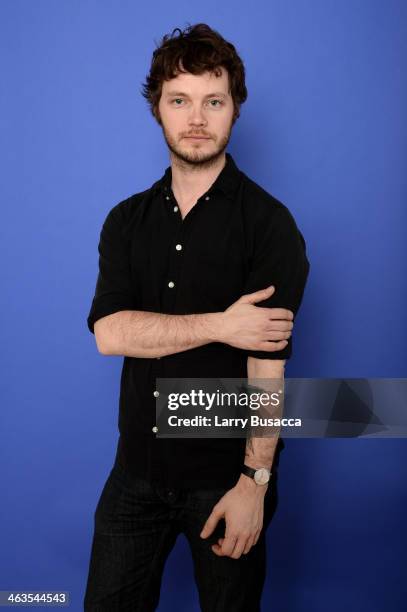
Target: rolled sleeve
{"points": [[279, 259], [113, 287]]}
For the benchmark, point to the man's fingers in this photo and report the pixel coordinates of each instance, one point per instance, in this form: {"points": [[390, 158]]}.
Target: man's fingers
{"points": [[257, 296], [239, 547], [242, 547], [249, 544], [229, 540], [276, 314], [228, 545], [280, 313], [217, 548], [271, 347], [278, 325], [277, 335]]}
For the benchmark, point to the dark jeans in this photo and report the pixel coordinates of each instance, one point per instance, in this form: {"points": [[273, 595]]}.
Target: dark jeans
{"points": [[136, 526]]}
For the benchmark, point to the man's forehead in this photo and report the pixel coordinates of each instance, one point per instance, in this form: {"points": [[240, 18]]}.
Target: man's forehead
{"points": [[184, 80]]}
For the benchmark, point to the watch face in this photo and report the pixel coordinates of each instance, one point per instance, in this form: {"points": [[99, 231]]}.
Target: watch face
{"points": [[261, 476]]}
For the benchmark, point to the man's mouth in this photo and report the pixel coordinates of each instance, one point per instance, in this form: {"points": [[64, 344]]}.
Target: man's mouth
{"points": [[198, 137]]}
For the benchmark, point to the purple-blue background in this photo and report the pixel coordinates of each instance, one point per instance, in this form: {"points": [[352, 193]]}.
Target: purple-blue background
{"points": [[324, 130]]}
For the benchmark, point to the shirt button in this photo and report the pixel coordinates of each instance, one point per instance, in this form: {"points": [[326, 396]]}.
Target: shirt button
{"points": [[156, 393], [171, 284], [175, 208], [167, 197], [207, 198], [155, 429], [178, 247]]}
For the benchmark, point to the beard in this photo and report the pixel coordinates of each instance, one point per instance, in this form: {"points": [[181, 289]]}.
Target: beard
{"points": [[196, 157]]}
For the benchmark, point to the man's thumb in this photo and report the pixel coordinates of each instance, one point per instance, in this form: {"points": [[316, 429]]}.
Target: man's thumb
{"points": [[211, 522], [258, 296]]}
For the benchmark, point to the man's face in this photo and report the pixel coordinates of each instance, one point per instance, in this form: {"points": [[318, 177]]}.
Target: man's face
{"points": [[200, 106]]}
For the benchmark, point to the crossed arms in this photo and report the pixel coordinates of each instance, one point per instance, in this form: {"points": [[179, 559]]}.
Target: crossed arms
{"points": [[243, 325], [135, 333]]}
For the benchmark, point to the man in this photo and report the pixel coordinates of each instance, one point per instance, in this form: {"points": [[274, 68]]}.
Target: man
{"points": [[200, 276]]}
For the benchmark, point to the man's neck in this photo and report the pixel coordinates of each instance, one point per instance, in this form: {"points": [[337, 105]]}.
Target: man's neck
{"points": [[189, 182]]}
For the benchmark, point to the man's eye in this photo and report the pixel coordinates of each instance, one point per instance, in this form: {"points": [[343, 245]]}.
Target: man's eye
{"points": [[217, 102]]}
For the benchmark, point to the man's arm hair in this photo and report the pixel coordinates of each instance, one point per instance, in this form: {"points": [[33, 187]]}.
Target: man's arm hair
{"points": [[136, 333], [260, 452]]}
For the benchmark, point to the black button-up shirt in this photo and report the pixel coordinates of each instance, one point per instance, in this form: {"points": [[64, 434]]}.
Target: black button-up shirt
{"points": [[236, 239]]}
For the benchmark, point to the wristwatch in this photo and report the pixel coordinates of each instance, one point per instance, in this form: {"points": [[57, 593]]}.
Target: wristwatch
{"points": [[260, 476]]}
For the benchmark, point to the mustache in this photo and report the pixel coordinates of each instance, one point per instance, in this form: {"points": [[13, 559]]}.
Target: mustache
{"points": [[196, 134]]}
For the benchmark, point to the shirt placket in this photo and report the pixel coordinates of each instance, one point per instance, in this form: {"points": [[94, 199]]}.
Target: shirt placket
{"points": [[176, 254], [177, 250]]}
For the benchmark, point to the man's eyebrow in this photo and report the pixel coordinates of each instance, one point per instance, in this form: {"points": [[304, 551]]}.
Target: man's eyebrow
{"points": [[210, 95]]}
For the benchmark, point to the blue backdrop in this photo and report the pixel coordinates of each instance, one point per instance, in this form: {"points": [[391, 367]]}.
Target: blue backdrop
{"points": [[324, 130]]}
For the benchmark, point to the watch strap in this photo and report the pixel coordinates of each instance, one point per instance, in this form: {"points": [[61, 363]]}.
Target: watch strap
{"points": [[248, 471]]}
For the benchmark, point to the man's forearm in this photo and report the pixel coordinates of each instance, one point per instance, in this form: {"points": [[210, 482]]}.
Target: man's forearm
{"points": [[135, 333], [259, 452]]}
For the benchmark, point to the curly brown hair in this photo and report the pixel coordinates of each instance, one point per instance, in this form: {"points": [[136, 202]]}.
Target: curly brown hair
{"points": [[197, 49]]}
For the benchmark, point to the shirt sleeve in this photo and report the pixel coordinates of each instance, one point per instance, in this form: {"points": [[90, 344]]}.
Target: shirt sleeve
{"points": [[114, 290], [279, 259]]}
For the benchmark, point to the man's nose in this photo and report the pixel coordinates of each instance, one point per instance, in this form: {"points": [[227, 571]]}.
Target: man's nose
{"points": [[197, 116]]}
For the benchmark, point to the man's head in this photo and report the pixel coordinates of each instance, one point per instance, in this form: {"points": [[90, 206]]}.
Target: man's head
{"points": [[195, 87]]}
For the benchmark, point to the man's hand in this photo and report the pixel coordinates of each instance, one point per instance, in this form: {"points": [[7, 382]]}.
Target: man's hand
{"points": [[242, 508], [251, 327], [137, 333]]}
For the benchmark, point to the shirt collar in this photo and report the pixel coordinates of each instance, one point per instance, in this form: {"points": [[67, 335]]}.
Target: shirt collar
{"points": [[226, 181]]}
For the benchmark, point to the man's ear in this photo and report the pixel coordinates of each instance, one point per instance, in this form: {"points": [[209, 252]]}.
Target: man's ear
{"points": [[157, 115]]}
